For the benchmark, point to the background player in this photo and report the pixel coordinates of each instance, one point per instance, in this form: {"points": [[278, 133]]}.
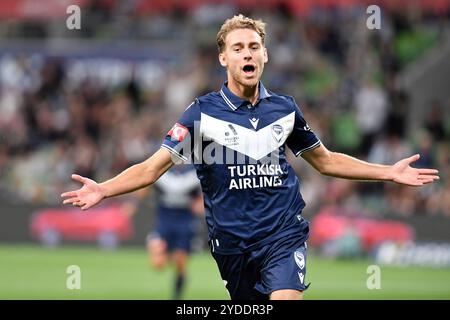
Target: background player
{"points": [[179, 204]]}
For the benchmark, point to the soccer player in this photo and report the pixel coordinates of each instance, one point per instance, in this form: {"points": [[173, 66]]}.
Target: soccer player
{"points": [[236, 138], [177, 192]]}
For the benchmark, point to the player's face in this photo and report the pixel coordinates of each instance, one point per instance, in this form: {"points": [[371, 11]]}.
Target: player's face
{"points": [[244, 57]]}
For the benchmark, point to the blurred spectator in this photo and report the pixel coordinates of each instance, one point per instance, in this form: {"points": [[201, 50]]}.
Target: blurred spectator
{"points": [[371, 110], [434, 122], [388, 149]]}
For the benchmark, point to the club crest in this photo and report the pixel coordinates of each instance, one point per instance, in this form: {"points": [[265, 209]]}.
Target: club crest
{"points": [[277, 132], [299, 259]]}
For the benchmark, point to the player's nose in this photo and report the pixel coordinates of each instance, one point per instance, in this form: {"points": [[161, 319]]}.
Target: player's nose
{"points": [[247, 54]]}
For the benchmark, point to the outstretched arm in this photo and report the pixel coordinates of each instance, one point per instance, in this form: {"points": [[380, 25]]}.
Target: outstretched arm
{"points": [[343, 166], [131, 179]]}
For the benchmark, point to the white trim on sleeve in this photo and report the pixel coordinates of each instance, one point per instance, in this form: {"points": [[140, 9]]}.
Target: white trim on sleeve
{"points": [[313, 146], [174, 152]]}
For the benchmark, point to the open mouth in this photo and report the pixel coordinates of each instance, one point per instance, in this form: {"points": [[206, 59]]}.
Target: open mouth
{"points": [[249, 69]]}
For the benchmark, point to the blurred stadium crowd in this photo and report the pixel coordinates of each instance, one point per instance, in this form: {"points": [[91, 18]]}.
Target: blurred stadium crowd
{"points": [[95, 116]]}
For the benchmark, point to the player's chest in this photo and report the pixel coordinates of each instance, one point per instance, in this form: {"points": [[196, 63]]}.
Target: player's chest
{"points": [[250, 132]]}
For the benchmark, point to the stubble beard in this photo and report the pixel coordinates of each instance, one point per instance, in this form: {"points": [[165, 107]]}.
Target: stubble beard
{"points": [[240, 79]]}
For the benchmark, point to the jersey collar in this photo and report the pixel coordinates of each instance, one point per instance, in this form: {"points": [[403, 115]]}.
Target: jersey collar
{"points": [[234, 102]]}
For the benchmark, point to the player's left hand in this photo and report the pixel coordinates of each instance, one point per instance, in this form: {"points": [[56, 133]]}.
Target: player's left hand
{"points": [[403, 173]]}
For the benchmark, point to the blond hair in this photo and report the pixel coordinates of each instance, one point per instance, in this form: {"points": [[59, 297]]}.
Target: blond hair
{"points": [[239, 22]]}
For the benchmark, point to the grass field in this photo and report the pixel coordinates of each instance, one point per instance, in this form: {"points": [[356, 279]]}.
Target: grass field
{"points": [[30, 272]]}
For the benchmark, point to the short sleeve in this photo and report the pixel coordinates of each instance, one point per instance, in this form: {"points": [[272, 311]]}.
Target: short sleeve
{"points": [[180, 139], [302, 138]]}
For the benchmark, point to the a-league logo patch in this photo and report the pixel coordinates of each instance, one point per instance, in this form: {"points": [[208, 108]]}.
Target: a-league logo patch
{"points": [[178, 132], [299, 259]]}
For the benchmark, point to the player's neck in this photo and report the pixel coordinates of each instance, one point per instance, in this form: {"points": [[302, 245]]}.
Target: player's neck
{"points": [[250, 93]]}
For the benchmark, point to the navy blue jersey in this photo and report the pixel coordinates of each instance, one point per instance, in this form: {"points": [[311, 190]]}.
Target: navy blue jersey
{"points": [[176, 223], [251, 193], [176, 190]]}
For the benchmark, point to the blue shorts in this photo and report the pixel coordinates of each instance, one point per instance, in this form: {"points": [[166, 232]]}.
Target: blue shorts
{"points": [[174, 241], [256, 274], [178, 236]]}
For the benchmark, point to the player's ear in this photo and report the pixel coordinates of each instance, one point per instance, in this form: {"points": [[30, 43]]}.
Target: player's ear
{"points": [[222, 60], [266, 56]]}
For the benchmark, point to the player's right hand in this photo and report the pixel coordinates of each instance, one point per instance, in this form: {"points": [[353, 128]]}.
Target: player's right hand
{"points": [[87, 196]]}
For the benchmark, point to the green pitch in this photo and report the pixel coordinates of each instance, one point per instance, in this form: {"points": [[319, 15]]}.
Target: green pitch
{"points": [[31, 272]]}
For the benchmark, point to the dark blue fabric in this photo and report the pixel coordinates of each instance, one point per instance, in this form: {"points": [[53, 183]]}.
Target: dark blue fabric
{"points": [[257, 200], [256, 274]]}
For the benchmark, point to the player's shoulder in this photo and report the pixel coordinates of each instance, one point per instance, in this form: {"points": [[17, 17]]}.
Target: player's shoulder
{"points": [[283, 99], [209, 103], [201, 104], [209, 98], [206, 100]]}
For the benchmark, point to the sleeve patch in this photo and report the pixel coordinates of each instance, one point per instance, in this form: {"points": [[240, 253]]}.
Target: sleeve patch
{"points": [[178, 132]]}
